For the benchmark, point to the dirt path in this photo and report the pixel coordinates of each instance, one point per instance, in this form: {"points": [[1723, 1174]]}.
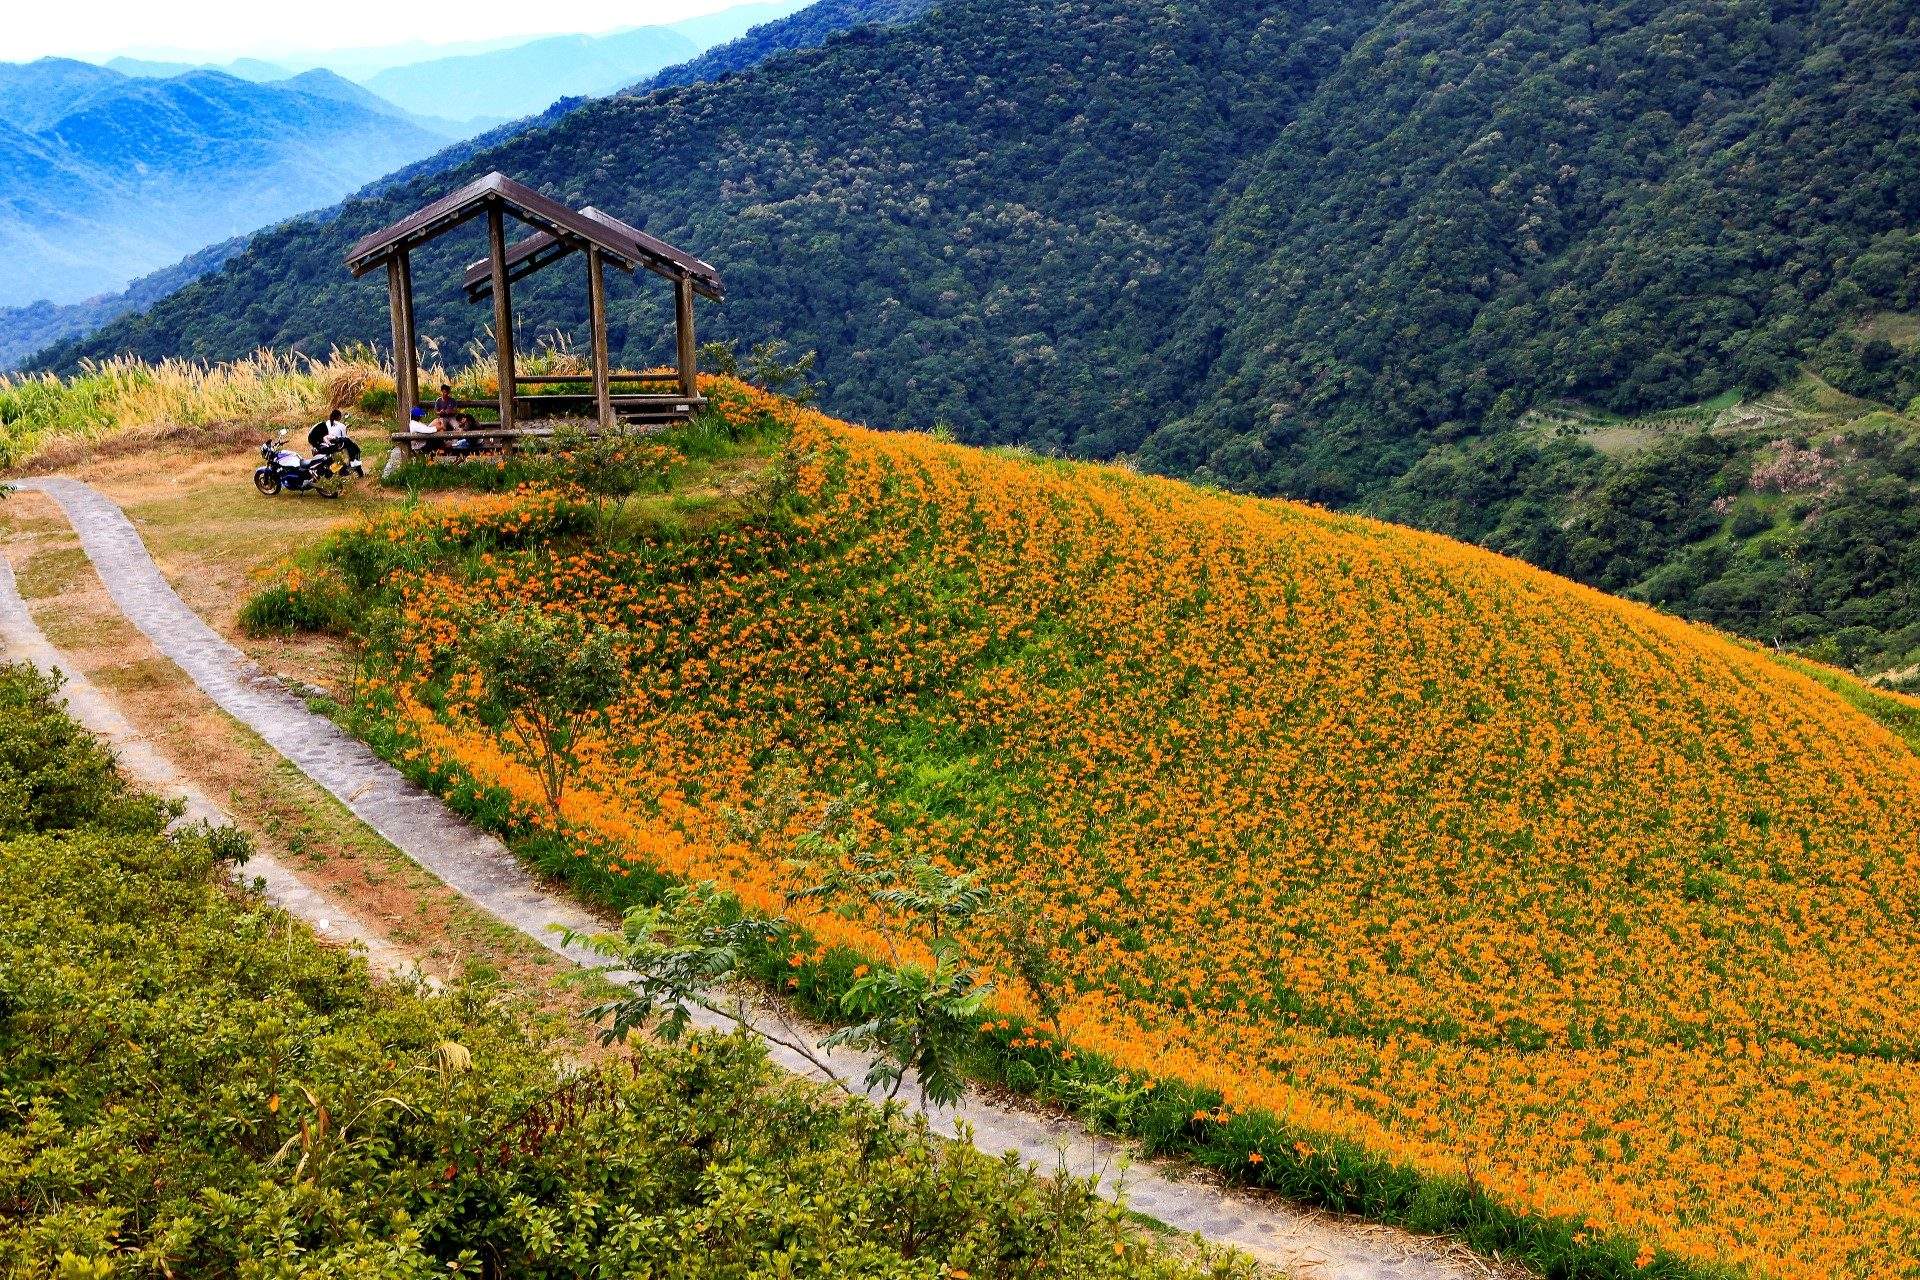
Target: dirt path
{"points": [[483, 870], [21, 640]]}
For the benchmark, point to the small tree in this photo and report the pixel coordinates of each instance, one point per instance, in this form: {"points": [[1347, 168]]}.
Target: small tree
{"points": [[545, 681], [918, 1020], [910, 1017], [1020, 936], [694, 949], [697, 949], [768, 366]]}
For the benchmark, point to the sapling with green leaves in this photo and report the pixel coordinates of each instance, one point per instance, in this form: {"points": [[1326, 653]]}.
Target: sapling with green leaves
{"points": [[544, 682], [694, 949]]}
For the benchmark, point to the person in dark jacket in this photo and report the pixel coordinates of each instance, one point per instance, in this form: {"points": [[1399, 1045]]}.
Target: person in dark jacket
{"points": [[331, 436]]}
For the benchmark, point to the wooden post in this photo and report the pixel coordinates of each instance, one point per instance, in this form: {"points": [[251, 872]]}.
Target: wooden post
{"points": [[597, 320], [683, 325], [410, 343], [400, 304], [502, 309]]}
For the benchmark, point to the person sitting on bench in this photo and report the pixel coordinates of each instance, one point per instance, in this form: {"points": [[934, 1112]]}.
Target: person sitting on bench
{"points": [[418, 424], [330, 436], [464, 422], [445, 409]]}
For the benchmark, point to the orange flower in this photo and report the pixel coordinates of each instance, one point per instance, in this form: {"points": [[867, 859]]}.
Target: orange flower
{"points": [[1424, 850]]}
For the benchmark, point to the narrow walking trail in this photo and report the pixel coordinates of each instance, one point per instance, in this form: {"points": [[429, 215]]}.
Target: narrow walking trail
{"points": [[22, 640], [481, 868]]}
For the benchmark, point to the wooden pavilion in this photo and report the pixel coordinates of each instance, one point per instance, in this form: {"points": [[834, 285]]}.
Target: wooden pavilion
{"points": [[557, 232]]}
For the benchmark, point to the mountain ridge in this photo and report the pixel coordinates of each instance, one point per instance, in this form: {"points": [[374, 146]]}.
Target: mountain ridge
{"points": [[1349, 266], [121, 174]]}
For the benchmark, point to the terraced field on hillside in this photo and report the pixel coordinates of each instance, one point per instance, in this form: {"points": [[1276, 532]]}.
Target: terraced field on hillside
{"points": [[1410, 853]]}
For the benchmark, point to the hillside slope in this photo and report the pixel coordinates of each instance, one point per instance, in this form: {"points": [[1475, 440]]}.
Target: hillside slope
{"points": [[1418, 848], [1632, 204], [1330, 251], [806, 29]]}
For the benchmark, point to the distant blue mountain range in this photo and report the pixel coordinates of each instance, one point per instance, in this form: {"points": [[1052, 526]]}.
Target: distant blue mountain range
{"points": [[105, 176], [67, 223]]}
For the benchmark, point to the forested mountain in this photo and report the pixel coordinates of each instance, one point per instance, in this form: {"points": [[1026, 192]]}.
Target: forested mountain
{"points": [[104, 177], [1633, 204], [1361, 253], [254, 69], [26, 330], [35, 94]]}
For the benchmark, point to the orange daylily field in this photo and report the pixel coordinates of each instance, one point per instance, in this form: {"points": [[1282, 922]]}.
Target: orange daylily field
{"points": [[1406, 842]]}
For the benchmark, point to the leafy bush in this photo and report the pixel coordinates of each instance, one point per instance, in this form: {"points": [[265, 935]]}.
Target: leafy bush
{"points": [[318, 604], [54, 776], [191, 1085]]}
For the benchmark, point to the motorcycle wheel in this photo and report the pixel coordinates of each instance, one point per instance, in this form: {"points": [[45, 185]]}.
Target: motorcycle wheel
{"points": [[330, 486], [266, 480]]}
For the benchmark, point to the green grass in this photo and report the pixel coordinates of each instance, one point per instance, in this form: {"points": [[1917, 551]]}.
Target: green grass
{"points": [[200, 1088], [1899, 715]]}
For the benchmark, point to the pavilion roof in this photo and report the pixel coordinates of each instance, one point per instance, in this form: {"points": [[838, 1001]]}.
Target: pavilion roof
{"points": [[546, 215], [538, 250]]}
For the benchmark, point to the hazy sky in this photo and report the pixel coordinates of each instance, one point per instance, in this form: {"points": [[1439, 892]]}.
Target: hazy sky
{"points": [[215, 30]]}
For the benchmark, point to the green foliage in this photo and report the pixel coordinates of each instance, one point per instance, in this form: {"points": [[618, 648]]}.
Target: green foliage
{"points": [[322, 604], [684, 949], [766, 366], [917, 1019], [54, 776], [544, 679], [694, 946], [191, 1085]]}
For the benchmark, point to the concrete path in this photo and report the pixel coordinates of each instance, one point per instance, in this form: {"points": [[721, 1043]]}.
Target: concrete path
{"points": [[482, 869], [22, 641]]}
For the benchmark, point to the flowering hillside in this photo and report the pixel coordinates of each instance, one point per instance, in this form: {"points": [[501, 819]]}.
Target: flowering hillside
{"points": [[1421, 850]]}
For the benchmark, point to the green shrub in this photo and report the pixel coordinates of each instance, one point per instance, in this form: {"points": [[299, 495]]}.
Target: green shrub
{"points": [[190, 1085], [378, 400], [53, 775], [321, 604]]}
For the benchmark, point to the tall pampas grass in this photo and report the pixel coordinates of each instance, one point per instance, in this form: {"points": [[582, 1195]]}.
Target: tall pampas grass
{"points": [[49, 420]]}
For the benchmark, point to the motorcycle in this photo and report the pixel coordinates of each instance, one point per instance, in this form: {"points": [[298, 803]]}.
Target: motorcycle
{"points": [[284, 469]]}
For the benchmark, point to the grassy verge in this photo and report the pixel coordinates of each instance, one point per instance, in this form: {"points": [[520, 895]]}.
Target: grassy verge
{"points": [[191, 1085], [50, 419]]}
